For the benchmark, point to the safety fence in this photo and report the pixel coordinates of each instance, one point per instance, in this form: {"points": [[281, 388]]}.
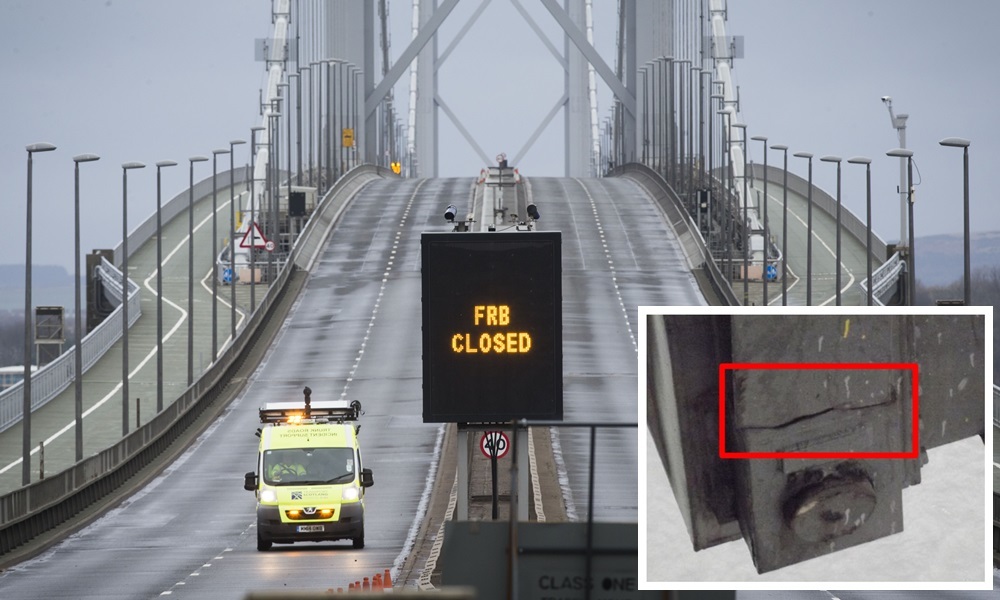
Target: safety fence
{"points": [[43, 505], [50, 380]]}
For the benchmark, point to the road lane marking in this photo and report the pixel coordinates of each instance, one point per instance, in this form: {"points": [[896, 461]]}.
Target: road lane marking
{"points": [[114, 391], [828, 249]]}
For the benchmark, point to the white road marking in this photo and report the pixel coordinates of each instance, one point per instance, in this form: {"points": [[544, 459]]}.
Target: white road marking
{"points": [[114, 391]]}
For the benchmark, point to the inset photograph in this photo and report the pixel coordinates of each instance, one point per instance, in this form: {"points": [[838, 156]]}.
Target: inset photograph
{"points": [[845, 448]]}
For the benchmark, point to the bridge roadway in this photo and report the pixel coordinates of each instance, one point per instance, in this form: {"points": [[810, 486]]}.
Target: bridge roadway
{"points": [[102, 402], [355, 333], [854, 267]]}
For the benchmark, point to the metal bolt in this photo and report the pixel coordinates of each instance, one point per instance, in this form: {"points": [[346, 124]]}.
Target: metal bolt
{"points": [[831, 504]]}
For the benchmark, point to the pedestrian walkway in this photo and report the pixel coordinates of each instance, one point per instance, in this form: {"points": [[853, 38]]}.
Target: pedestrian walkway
{"points": [[824, 264], [53, 424]]}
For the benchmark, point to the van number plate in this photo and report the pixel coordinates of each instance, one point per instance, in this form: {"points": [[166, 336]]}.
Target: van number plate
{"points": [[309, 528]]}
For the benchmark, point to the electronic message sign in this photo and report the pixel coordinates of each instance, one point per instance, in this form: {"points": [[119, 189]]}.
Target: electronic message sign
{"points": [[492, 326]]}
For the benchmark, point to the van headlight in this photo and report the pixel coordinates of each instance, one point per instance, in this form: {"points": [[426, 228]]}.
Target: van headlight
{"points": [[351, 493], [268, 496]]}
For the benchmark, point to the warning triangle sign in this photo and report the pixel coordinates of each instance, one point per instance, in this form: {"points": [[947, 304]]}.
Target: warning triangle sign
{"points": [[254, 237]]}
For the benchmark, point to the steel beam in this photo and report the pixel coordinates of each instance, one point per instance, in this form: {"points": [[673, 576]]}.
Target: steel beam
{"points": [[837, 385]]}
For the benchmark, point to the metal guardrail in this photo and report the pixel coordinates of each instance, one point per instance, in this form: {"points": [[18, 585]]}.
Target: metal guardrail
{"points": [[43, 505], [884, 278], [828, 204], [50, 380], [692, 243]]}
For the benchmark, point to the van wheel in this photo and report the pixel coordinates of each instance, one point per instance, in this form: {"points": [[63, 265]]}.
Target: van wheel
{"points": [[262, 544], [359, 542]]}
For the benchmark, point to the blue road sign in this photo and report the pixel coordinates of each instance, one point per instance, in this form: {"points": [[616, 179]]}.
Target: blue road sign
{"points": [[772, 272], [227, 275]]}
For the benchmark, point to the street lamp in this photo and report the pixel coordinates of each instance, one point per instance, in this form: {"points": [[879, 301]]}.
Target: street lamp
{"points": [[746, 223], [836, 159], [682, 127], [318, 74], [727, 180], [645, 113], [78, 326], [784, 225], [353, 153], [253, 215], [233, 197], [964, 145], [690, 129], [809, 228], [911, 262], [126, 167], [274, 119], [298, 130], [215, 248], [159, 288], [767, 239], [308, 126], [190, 315], [26, 404], [867, 162]]}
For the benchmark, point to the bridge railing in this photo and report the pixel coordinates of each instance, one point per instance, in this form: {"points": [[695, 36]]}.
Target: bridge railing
{"points": [[45, 504], [885, 278], [693, 245], [50, 380]]}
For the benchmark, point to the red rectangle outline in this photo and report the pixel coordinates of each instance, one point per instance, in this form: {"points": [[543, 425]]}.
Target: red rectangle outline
{"points": [[915, 386]]}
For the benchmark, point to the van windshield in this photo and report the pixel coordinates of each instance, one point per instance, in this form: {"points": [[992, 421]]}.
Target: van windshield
{"points": [[309, 466]]}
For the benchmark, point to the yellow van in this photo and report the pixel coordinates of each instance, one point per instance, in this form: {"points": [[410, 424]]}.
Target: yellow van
{"points": [[310, 482]]}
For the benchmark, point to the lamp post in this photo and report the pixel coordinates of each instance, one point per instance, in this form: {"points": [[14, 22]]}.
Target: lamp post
{"points": [[190, 315], [746, 220], [701, 125], [682, 131], [692, 201], [214, 254], [253, 215], [867, 162], [357, 74], [288, 138], [767, 239], [232, 241], [911, 262], [836, 159], [308, 127], [274, 118], [727, 184], [298, 130], [318, 74], [78, 311], [159, 287], [645, 113], [809, 228], [26, 403], [784, 225], [126, 167], [26, 389], [964, 145], [711, 161]]}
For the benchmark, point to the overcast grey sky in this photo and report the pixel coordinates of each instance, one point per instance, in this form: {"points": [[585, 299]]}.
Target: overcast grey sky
{"points": [[150, 81], [813, 76]]}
